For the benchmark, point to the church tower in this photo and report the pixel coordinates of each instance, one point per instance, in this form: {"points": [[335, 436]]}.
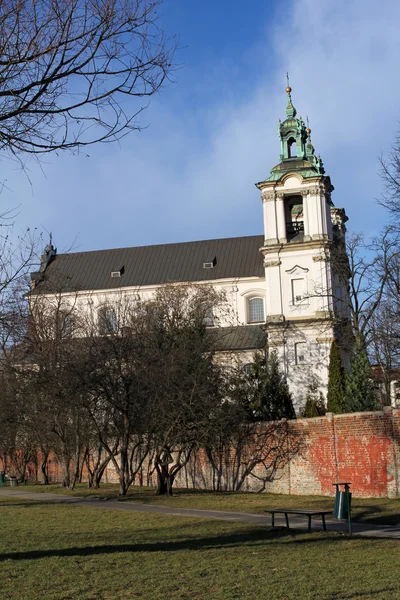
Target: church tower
{"points": [[304, 302]]}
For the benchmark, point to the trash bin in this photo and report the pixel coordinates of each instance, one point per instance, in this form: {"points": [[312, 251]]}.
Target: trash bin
{"points": [[13, 481], [2, 480], [342, 505], [342, 508]]}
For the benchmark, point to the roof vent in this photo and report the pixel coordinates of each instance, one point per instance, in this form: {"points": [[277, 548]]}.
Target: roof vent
{"points": [[118, 273], [210, 264]]}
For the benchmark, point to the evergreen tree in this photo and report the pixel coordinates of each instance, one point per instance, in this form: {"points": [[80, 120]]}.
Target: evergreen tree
{"points": [[315, 405], [360, 394], [336, 381], [269, 398]]}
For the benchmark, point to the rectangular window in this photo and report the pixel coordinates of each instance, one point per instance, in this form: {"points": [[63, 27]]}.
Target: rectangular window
{"points": [[297, 291], [300, 352], [107, 320], [208, 318]]}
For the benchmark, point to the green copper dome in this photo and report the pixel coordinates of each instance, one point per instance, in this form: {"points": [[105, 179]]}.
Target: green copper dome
{"points": [[297, 152]]}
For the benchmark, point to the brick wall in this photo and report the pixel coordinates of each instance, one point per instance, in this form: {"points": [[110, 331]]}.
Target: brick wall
{"points": [[362, 448]]}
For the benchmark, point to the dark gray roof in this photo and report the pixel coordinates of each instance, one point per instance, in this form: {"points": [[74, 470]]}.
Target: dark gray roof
{"points": [[239, 337], [154, 265], [242, 337]]}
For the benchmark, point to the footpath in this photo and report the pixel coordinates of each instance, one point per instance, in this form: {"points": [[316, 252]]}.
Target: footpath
{"points": [[300, 523]]}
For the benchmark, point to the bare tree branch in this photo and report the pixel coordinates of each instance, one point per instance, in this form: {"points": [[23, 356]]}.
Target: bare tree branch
{"points": [[70, 68]]}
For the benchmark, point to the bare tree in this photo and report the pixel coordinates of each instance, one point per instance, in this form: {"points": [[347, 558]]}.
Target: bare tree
{"points": [[69, 70], [390, 174], [114, 373], [50, 377], [360, 274]]}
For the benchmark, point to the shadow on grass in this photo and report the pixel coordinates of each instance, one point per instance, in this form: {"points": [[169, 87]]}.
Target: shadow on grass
{"points": [[369, 594], [249, 538], [370, 514]]}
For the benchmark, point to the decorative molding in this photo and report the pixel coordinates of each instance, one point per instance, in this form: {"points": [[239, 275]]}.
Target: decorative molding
{"points": [[295, 268], [323, 257], [309, 245], [275, 319], [315, 190], [267, 196], [255, 292], [272, 263]]}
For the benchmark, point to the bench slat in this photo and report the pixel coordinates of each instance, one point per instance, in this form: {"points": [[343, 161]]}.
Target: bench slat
{"points": [[289, 511]]}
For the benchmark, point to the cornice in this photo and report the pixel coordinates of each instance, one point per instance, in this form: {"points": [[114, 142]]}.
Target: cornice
{"points": [[272, 263], [296, 246]]}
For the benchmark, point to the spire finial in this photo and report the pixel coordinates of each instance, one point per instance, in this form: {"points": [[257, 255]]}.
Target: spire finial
{"points": [[308, 130], [290, 109], [288, 88]]}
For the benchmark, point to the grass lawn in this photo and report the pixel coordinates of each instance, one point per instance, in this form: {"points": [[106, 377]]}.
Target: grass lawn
{"points": [[64, 552], [371, 510]]}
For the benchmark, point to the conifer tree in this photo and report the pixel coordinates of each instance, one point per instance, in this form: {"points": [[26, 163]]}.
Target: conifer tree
{"points": [[360, 394], [336, 381], [269, 398], [315, 406]]}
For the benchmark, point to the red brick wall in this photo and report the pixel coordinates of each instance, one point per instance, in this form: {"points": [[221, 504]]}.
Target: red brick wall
{"points": [[362, 448]]}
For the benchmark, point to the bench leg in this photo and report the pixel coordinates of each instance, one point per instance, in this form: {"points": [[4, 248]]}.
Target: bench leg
{"points": [[273, 520], [287, 520], [323, 522], [309, 522]]}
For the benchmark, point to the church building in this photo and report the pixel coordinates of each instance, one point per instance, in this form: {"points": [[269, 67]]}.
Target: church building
{"points": [[281, 285]]}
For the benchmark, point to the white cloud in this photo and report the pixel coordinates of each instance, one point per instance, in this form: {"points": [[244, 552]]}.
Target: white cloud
{"points": [[191, 174]]}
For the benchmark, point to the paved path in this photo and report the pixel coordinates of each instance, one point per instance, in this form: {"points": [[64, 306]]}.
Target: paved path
{"points": [[359, 529]]}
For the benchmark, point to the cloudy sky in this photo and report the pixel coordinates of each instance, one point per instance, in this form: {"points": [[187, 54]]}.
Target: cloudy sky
{"points": [[213, 133]]}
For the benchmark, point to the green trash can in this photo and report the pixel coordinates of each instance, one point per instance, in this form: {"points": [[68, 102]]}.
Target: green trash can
{"points": [[342, 508], [342, 505], [2, 480]]}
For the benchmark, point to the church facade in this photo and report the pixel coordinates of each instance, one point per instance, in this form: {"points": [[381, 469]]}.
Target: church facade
{"points": [[280, 286]]}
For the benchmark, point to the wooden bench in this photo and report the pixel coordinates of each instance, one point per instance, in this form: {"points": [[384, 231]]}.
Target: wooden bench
{"points": [[293, 511]]}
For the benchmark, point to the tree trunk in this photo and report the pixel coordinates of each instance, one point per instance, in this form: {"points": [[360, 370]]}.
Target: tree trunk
{"points": [[165, 480], [44, 477]]}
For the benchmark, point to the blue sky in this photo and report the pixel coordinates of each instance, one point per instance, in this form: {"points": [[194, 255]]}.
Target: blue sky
{"points": [[213, 133]]}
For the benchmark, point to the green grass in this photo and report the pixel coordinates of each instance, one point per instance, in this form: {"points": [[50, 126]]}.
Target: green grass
{"points": [[371, 510], [64, 552]]}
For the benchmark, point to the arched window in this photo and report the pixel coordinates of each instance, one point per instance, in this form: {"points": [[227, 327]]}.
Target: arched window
{"points": [[256, 310], [291, 148], [107, 320]]}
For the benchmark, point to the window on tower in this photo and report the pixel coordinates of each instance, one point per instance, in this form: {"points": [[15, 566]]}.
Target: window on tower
{"points": [[291, 148], [294, 218], [298, 286]]}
